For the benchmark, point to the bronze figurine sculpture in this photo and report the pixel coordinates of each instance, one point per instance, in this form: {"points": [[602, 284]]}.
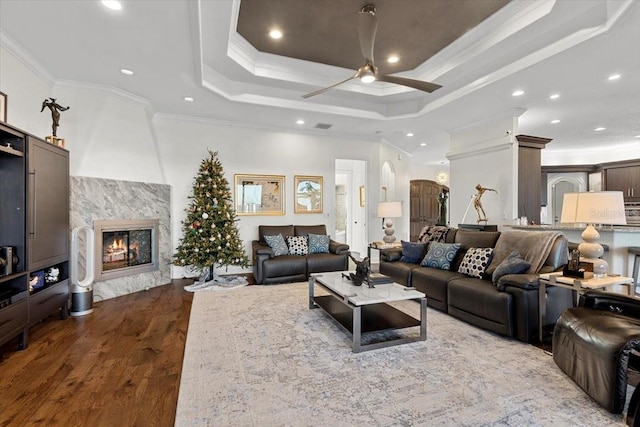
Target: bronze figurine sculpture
{"points": [[477, 204], [442, 200], [55, 112], [363, 269]]}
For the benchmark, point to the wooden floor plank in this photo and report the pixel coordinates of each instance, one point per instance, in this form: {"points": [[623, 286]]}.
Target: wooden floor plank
{"points": [[119, 365]]}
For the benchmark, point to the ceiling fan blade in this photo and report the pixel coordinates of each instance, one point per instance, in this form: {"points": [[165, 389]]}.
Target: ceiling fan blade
{"points": [[416, 84], [319, 91], [367, 27]]}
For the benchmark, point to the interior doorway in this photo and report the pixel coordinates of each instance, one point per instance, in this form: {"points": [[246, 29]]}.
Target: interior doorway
{"points": [[559, 189], [351, 205]]}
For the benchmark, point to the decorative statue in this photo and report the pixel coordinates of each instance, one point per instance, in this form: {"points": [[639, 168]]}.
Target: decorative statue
{"points": [[442, 199], [482, 216], [362, 272], [55, 112]]}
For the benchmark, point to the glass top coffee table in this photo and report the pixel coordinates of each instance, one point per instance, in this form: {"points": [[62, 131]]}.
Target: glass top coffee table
{"points": [[362, 310]]}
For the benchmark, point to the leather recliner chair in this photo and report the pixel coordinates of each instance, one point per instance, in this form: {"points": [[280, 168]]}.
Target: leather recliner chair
{"points": [[594, 342]]}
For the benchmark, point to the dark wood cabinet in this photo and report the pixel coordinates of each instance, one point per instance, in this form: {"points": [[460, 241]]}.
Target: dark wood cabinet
{"points": [[625, 179], [424, 207], [34, 212], [48, 208]]}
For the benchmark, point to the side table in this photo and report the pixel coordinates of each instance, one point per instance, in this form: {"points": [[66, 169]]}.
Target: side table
{"points": [[578, 285], [380, 247]]}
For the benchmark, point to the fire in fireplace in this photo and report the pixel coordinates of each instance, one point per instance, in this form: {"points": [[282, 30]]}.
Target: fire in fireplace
{"points": [[125, 247], [122, 249]]}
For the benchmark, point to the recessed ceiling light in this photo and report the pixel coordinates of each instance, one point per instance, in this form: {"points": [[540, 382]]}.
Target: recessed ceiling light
{"points": [[126, 71], [423, 144], [300, 122], [599, 129], [275, 34], [614, 77], [410, 134], [554, 96], [554, 121], [112, 4], [518, 93], [393, 59], [188, 99]]}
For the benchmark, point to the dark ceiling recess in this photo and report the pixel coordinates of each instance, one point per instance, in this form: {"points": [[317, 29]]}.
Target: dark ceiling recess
{"points": [[326, 31], [323, 126]]}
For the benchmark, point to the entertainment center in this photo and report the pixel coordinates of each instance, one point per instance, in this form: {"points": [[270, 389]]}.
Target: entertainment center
{"points": [[34, 232]]}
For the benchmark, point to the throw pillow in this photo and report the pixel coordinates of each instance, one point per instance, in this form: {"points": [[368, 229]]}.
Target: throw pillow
{"points": [[440, 255], [298, 245], [413, 252], [277, 244], [433, 233], [512, 264], [475, 262], [318, 244]]}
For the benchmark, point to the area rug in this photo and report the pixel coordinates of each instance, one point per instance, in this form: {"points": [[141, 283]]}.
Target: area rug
{"points": [[258, 356]]}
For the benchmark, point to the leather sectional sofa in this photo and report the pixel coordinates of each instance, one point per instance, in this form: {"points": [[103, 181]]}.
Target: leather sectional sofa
{"points": [[508, 307], [269, 268]]}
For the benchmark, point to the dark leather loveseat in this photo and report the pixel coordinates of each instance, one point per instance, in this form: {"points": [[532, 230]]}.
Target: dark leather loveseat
{"points": [[268, 268], [508, 307]]}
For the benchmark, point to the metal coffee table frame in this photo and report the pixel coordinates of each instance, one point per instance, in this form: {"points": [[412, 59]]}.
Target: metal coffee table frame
{"points": [[358, 314]]}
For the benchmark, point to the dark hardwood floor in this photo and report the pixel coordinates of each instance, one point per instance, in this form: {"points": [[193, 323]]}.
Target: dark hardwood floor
{"points": [[118, 366]]}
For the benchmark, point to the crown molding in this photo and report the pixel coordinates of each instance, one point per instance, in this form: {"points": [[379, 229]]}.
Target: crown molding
{"points": [[22, 55], [503, 24]]}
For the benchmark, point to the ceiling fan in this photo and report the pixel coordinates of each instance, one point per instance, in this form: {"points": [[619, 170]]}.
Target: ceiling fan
{"points": [[367, 27]]}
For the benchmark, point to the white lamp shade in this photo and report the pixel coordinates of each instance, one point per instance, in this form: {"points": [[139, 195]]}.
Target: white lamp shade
{"points": [[602, 207], [389, 210]]}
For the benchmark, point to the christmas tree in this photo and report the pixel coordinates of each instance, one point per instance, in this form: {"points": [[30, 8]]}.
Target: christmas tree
{"points": [[210, 234]]}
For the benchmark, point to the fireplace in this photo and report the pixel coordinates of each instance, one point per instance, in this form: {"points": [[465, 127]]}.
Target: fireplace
{"points": [[125, 247]]}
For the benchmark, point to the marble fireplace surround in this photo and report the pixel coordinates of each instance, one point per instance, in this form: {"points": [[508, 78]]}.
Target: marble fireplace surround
{"points": [[107, 199]]}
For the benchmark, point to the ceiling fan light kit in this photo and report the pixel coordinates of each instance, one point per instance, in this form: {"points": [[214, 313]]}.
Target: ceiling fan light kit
{"points": [[368, 73]]}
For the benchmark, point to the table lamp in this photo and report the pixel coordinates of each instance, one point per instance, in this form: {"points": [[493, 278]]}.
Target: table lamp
{"points": [[388, 210], [602, 207]]}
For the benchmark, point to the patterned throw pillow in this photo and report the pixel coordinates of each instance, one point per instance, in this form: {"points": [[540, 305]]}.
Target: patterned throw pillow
{"points": [[475, 262], [433, 233], [512, 264], [277, 244], [318, 244], [298, 245], [413, 252], [440, 255]]}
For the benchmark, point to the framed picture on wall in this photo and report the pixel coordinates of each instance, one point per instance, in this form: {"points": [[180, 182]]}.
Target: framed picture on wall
{"points": [[3, 107], [308, 194], [259, 194]]}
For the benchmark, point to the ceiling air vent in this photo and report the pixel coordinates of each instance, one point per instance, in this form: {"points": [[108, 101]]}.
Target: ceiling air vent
{"points": [[324, 126]]}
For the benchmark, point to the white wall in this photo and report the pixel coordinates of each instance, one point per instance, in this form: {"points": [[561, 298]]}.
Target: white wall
{"points": [[183, 144], [485, 154], [401, 164], [25, 88]]}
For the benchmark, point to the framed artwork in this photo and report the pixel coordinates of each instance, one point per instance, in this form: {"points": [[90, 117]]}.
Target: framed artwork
{"points": [[259, 194], [362, 195], [308, 194], [3, 107]]}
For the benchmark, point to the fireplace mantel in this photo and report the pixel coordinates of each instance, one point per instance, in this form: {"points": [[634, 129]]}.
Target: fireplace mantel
{"points": [[95, 199]]}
